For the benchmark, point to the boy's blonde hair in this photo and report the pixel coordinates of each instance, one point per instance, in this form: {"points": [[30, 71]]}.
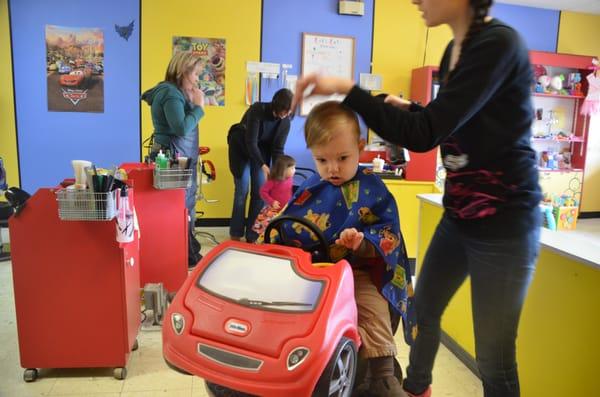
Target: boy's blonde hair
{"points": [[181, 63], [325, 120]]}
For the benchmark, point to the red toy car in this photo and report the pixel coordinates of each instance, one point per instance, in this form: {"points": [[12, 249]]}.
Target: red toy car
{"points": [[265, 320], [76, 78]]}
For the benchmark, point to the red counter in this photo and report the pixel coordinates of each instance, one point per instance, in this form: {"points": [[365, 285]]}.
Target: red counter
{"points": [[163, 229], [76, 290]]}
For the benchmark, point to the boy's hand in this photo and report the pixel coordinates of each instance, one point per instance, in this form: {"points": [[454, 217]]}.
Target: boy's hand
{"points": [[350, 238], [276, 204]]}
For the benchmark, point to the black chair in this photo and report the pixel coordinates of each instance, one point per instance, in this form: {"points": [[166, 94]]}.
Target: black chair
{"points": [[16, 199], [5, 212], [301, 175]]}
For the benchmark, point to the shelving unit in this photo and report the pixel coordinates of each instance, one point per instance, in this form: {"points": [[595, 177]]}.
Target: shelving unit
{"points": [[559, 128], [569, 179]]}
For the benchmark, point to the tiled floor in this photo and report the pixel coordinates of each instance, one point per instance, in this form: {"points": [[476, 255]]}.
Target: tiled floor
{"points": [[148, 375]]}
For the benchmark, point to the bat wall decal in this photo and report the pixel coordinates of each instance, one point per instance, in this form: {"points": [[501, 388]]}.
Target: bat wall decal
{"points": [[125, 31]]}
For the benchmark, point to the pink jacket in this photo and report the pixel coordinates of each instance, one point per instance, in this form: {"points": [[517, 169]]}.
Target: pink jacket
{"points": [[276, 190]]}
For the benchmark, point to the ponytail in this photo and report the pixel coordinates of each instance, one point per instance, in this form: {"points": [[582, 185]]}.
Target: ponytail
{"points": [[480, 9]]}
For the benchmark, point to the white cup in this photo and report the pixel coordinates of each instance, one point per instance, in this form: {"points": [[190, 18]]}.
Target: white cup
{"points": [[378, 164], [182, 162], [80, 174]]}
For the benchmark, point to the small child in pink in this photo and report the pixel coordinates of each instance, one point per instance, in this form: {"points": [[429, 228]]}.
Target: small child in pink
{"points": [[276, 191]]}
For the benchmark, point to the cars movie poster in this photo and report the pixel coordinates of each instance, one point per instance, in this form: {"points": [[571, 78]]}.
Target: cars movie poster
{"points": [[75, 69], [212, 76]]}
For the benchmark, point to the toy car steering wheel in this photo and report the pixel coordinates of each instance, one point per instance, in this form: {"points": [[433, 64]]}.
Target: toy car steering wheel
{"points": [[319, 251]]}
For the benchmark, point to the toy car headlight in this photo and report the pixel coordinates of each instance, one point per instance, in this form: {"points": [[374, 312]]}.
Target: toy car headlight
{"points": [[296, 357], [178, 323]]}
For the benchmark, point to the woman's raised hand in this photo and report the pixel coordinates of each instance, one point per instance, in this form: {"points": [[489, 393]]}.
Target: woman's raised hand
{"points": [[196, 96], [315, 84]]}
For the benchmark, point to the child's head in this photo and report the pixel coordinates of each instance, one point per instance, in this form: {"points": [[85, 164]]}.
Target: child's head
{"points": [[283, 168], [332, 134]]}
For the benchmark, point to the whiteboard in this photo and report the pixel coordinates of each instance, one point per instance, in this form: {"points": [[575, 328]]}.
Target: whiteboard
{"points": [[327, 55]]}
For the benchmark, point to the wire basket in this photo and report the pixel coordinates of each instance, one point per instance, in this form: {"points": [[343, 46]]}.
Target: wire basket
{"points": [[85, 205], [172, 178]]}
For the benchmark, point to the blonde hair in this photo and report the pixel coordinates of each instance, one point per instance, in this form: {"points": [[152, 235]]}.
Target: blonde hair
{"points": [[181, 63], [325, 120]]}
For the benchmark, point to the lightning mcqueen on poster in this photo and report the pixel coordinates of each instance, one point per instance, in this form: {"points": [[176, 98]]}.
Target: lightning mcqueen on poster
{"points": [[75, 69]]}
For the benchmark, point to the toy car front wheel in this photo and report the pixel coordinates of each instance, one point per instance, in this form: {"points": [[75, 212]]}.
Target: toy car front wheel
{"points": [[338, 377]]}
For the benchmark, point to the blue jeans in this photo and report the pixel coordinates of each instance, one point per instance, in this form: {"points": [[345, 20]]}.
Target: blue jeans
{"points": [[187, 146], [240, 225], [501, 270]]}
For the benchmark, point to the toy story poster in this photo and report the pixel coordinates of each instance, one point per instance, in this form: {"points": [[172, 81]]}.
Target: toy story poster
{"points": [[75, 69], [212, 77]]}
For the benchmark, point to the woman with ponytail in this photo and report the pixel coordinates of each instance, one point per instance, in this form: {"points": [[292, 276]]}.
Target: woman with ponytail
{"points": [[489, 232]]}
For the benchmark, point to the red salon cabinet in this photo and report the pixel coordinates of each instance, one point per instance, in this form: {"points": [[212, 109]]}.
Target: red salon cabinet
{"points": [[76, 290], [423, 89], [162, 216]]}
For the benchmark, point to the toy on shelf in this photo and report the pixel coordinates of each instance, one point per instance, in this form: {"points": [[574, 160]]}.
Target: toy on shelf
{"points": [[543, 83], [556, 85], [549, 221], [539, 70], [574, 84], [560, 212]]}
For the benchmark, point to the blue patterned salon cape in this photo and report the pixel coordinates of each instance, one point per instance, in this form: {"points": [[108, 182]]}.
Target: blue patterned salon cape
{"points": [[363, 203]]}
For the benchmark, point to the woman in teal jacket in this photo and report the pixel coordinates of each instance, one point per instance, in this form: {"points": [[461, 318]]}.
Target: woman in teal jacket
{"points": [[177, 105]]}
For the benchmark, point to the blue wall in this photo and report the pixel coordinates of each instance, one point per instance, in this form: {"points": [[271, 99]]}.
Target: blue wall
{"points": [[283, 25], [48, 141], [538, 26]]}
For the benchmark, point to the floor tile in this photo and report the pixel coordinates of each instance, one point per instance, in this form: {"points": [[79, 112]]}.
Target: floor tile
{"points": [[78, 381], [159, 393]]}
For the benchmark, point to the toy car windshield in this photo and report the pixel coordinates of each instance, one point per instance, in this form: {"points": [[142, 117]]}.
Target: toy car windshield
{"points": [[260, 281]]}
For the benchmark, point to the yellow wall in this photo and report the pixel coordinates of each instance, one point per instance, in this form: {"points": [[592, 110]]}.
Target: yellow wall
{"points": [[399, 44], [8, 134], [559, 323], [238, 22], [579, 34], [405, 194]]}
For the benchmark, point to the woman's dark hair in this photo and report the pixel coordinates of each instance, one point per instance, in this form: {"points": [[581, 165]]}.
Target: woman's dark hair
{"points": [[480, 11], [282, 100], [281, 164]]}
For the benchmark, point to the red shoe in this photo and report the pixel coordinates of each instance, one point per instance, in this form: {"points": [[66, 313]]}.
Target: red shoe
{"points": [[426, 393]]}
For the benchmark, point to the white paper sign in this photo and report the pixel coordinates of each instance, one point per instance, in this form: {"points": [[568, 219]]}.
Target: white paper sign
{"points": [[262, 67], [327, 55], [370, 82]]}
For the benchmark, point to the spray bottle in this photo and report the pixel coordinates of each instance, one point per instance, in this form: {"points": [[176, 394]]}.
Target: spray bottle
{"points": [[161, 160], [124, 219]]}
